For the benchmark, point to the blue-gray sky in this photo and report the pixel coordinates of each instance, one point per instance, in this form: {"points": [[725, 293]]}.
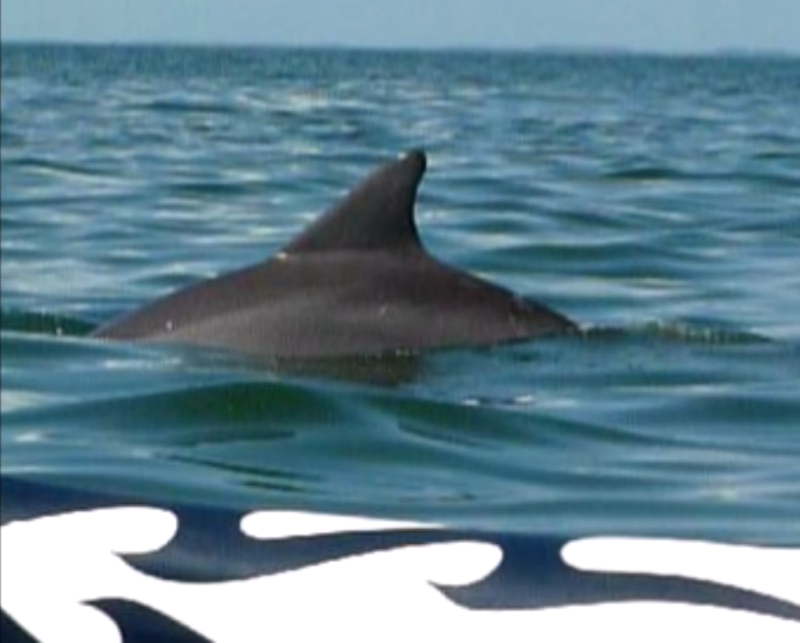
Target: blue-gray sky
{"points": [[653, 25]]}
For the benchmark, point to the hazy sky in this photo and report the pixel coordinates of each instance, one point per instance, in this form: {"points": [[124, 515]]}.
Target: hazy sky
{"points": [[660, 25]]}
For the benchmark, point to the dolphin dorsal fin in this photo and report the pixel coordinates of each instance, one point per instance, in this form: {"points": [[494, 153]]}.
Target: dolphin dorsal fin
{"points": [[377, 213]]}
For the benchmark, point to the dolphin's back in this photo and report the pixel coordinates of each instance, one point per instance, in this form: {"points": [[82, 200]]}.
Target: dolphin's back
{"points": [[357, 281]]}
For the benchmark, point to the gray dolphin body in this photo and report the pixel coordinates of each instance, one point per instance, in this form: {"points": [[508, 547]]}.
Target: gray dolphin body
{"points": [[356, 282]]}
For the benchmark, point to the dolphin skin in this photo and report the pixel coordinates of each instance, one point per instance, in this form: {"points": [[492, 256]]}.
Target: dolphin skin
{"points": [[356, 282]]}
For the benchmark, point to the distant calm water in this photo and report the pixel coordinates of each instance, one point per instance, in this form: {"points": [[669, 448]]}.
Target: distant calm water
{"points": [[655, 200]]}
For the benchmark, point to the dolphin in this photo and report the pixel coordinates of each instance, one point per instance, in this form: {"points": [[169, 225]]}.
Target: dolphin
{"points": [[356, 282]]}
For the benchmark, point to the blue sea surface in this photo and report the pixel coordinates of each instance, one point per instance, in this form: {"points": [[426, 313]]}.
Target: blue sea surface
{"points": [[656, 200]]}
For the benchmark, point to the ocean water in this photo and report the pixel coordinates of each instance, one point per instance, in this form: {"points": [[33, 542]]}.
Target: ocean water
{"points": [[655, 200]]}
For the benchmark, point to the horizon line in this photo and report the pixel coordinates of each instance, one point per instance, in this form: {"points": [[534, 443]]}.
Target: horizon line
{"points": [[598, 49]]}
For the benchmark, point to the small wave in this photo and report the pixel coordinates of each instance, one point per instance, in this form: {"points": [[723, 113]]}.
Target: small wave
{"points": [[232, 412], [777, 155], [11, 139], [646, 173], [774, 180], [59, 201], [55, 167], [187, 107], [656, 174], [43, 324], [214, 188], [679, 332]]}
